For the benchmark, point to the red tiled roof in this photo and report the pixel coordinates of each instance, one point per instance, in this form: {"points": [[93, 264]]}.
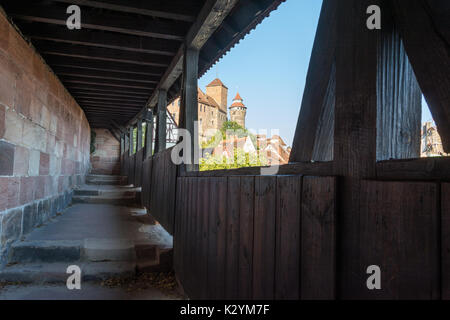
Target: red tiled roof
{"points": [[205, 99], [237, 104], [238, 97], [216, 82]]}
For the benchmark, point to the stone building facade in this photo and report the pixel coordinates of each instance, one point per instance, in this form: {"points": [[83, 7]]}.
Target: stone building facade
{"points": [[238, 111], [44, 140], [431, 144], [212, 109]]}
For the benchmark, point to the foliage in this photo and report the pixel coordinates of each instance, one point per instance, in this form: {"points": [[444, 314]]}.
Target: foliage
{"points": [[144, 129], [241, 159], [228, 128]]}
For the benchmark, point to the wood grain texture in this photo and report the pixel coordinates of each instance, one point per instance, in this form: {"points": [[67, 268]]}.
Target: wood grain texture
{"points": [[400, 233], [355, 129], [232, 238], [317, 81], [264, 238], [445, 240], [435, 168], [318, 238], [399, 99], [246, 230], [425, 36], [288, 234]]}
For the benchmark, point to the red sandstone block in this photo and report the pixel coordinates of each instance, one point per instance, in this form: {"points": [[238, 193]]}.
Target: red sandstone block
{"points": [[39, 187], [49, 186], [44, 164], [6, 90], [9, 192], [13, 127], [27, 189], [39, 69], [20, 51], [4, 33], [21, 161], [24, 92], [35, 110]]}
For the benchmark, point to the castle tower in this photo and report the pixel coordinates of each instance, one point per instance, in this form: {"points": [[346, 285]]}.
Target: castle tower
{"points": [[238, 111], [219, 92]]}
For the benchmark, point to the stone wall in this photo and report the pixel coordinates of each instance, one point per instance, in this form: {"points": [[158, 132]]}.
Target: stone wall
{"points": [[44, 140], [106, 158]]}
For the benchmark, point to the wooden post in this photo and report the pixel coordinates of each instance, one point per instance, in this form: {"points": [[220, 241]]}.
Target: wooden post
{"points": [[320, 75], [139, 136], [162, 120], [149, 135], [122, 143], [130, 135], [354, 134], [189, 101], [399, 99]]}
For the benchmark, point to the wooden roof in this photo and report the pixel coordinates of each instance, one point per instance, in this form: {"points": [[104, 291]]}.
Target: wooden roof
{"points": [[127, 49]]}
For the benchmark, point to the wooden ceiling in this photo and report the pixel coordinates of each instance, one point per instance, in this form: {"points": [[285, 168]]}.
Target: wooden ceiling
{"points": [[127, 49]]}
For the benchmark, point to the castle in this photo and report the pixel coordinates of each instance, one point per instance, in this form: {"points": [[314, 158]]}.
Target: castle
{"points": [[212, 109]]}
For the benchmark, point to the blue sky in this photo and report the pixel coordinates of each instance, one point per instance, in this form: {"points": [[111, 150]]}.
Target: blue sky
{"points": [[268, 67]]}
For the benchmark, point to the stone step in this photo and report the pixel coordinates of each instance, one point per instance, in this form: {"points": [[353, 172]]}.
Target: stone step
{"points": [[57, 272], [106, 177], [109, 250], [45, 251], [106, 180], [121, 201], [112, 193]]}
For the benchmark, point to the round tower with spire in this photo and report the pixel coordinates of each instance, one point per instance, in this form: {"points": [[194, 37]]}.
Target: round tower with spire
{"points": [[238, 111]]}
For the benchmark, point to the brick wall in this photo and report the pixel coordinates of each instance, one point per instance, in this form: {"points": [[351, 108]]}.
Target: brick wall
{"points": [[106, 158], [44, 140]]}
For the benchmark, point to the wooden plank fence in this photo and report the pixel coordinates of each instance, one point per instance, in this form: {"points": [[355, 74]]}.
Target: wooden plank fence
{"points": [[246, 236], [241, 237]]}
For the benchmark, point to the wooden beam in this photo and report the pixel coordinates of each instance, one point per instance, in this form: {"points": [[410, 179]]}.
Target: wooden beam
{"points": [[122, 68], [132, 6], [122, 143], [108, 103], [106, 96], [106, 99], [105, 90], [101, 39], [101, 54], [96, 74], [189, 103], [426, 41], [94, 20], [399, 99], [317, 80], [130, 135], [149, 135], [428, 169], [139, 136], [99, 82], [162, 119], [209, 18], [354, 134]]}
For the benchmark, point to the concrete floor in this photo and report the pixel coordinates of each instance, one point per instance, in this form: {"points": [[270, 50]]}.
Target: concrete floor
{"points": [[88, 291], [93, 221], [102, 221]]}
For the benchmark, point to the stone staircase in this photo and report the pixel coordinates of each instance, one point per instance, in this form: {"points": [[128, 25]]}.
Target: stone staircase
{"points": [[131, 244]]}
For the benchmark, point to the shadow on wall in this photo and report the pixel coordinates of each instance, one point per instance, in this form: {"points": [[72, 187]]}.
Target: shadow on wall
{"points": [[106, 157]]}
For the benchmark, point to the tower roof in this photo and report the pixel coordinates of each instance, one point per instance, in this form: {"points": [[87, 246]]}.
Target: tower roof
{"points": [[216, 83], [238, 97]]}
